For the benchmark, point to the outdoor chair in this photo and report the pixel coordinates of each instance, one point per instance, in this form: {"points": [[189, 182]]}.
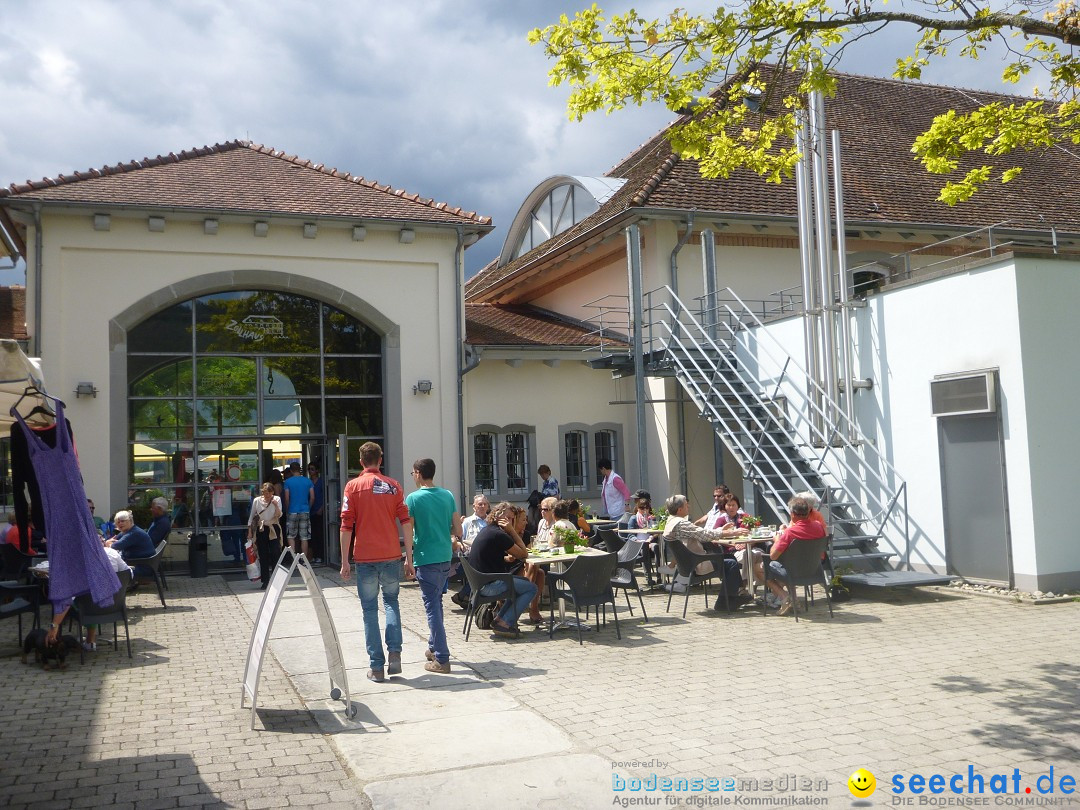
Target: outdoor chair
{"points": [[14, 565], [686, 563], [154, 564], [609, 540], [802, 561], [586, 583], [624, 577], [24, 599], [477, 580], [86, 612]]}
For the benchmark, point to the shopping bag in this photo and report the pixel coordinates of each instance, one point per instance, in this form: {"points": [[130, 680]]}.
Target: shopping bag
{"points": [[252, 557]]}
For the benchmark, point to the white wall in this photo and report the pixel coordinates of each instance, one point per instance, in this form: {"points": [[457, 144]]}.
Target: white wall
{"points": [[1047, 291], [91, 276], [1018, 319]]}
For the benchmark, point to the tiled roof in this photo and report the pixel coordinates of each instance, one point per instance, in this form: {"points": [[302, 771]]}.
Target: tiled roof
{"points": [[13, 313], [879, 120], [494, 325], [240, 176]]}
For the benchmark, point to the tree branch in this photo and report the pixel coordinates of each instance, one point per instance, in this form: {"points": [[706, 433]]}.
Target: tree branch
{"points": [[1019, 22]]}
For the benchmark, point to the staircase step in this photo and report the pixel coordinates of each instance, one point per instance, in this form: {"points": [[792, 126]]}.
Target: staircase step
{"points": [[860, 556], [895, 579]]}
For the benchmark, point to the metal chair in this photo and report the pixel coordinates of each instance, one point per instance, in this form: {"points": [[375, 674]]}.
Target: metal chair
{"points": [[154, 564], [477, 581], [802, 562], [624, 577], [686, 563], [86, 612], [586, 583]]}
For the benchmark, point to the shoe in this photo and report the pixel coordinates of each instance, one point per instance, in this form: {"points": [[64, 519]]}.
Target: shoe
{"points": [[505, 632], [460, 600], [429, 654], [393, 666], [532, 620], [677, 587], [317, 561], [376, 675], [263, 586], [785, 609], [435, 666], [89, 646]]}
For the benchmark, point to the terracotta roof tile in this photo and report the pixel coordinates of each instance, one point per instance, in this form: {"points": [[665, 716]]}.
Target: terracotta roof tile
{"points": [[240, 176], [879, 120], [495, 325]]}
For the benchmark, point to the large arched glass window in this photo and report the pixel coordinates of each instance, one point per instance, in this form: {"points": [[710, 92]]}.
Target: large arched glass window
{"points": [[223, 387]]}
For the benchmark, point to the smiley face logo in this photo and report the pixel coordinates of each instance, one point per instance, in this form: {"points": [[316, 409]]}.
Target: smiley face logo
{"points": [[862, 783]]}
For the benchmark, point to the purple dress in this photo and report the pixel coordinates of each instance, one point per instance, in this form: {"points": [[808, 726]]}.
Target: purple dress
{"points": [[77, 561]]}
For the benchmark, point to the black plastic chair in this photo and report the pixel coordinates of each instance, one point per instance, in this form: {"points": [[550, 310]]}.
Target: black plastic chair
{"points": [[686, 563], [154, 564], [586, 583], [802, 561], [14, 565], [624, 577], [478, 580], [24, 599], [609, 540], [86, 612]]}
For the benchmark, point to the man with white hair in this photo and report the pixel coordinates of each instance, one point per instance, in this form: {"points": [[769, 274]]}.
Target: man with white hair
{"points": [[160, 522]]}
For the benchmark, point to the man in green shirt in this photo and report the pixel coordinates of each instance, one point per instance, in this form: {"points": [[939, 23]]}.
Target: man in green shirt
{"points": [[436, 523]]}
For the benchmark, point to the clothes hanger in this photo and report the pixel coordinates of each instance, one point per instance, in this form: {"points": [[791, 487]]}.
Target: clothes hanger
{"points": [[42, 406]]}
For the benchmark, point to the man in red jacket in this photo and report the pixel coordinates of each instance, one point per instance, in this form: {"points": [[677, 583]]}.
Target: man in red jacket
{"points": [[371, 508]]}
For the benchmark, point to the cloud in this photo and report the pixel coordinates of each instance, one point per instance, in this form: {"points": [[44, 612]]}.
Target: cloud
{"points": [[441, 97]]}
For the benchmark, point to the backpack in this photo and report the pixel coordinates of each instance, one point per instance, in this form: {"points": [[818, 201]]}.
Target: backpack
{"points": [[484, 617]]}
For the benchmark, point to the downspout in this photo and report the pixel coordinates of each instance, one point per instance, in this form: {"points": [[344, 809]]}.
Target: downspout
{"points": [[680, 396], [845, 291], [462, 370], [633, 254], [35, 347]]}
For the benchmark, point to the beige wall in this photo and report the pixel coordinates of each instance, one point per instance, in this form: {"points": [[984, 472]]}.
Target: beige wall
{"points": [[96, 282]]}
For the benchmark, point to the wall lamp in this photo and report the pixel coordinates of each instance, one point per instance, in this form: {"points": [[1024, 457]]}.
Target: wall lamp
{"points": [[406, 236], [422, 387], [85, 389]]}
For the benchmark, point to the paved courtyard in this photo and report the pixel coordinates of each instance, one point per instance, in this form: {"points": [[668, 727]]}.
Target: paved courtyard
{"points": [[906, 684]]}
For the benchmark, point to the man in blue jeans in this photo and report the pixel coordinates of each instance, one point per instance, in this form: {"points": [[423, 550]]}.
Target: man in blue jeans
{"points": [[497, 550], [435, 522], [372, 506]]}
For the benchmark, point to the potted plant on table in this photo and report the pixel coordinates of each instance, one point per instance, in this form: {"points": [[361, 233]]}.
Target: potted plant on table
{"points": [[567, 537]]}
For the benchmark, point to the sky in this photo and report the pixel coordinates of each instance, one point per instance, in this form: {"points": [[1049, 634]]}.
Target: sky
{"points": [[444, 98]]}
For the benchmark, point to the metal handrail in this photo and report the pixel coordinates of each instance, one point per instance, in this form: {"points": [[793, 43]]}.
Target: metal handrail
{"points": [[748, 398]]}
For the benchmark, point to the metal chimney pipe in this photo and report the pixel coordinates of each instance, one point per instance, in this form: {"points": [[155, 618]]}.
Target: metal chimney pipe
{"points": [[824, 255], [804, 191], [844, 282]]}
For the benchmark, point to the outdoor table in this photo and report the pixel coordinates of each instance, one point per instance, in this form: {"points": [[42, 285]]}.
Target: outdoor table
{"points": [[546, 558], [748, 559]]}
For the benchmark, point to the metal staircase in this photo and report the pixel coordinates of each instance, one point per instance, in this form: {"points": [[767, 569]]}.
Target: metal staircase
{"points": [[785, 439]]}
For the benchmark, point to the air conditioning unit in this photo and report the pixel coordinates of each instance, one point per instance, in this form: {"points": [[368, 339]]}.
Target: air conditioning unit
{"points": [[964, 394]]}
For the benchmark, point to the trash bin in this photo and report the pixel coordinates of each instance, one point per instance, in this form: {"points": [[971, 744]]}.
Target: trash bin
{"points": [[197, 562]]}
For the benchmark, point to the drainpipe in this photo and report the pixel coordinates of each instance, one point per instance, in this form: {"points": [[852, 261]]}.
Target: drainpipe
{"points": [[845, 290], [633, 253], [35, 350], [459, 273], [680, 396], [708, 270]]}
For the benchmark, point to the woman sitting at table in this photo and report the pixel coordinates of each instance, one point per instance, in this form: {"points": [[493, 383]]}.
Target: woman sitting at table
{"points": [[730, 522], [680, 527], [497, 550], [544, 537], [561, 510], [574, 516], [132, 542]]}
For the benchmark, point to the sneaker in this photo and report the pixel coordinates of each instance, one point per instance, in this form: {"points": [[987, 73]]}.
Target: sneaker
{"points": [[318, 560], [677, 587], [89, 646], [785, 609], [393, 666], [435, 666], [376, 675], [429, 654]]}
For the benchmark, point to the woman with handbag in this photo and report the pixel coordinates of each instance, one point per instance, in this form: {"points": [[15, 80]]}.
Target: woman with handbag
{"points": [[264, 525]]}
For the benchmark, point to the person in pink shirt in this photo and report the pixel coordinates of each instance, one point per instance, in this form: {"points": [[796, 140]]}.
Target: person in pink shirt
{"points": [[613, 491]]}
